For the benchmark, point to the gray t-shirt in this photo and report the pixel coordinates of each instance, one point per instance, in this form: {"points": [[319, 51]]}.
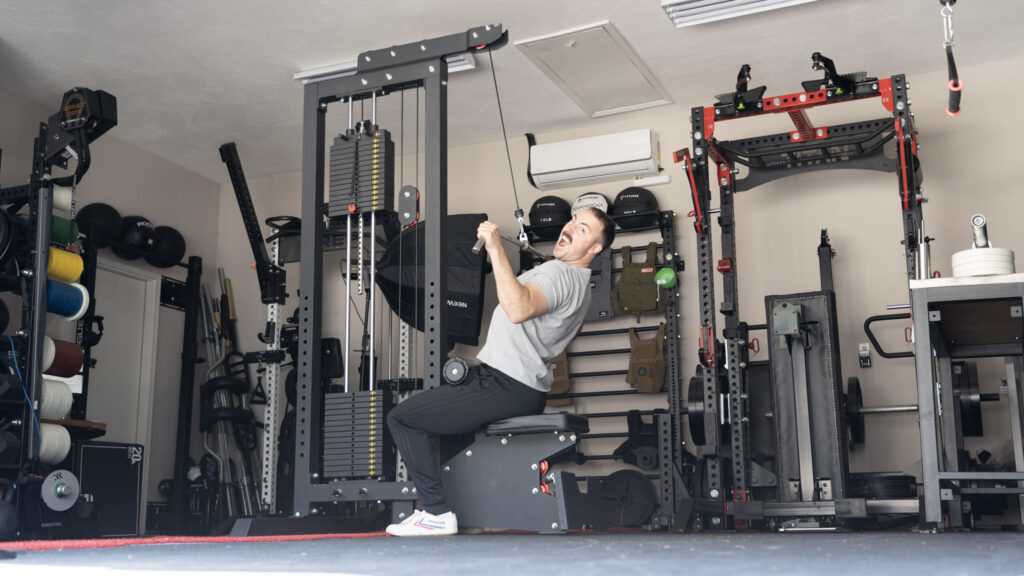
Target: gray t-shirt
{"points": [[524, 351]]}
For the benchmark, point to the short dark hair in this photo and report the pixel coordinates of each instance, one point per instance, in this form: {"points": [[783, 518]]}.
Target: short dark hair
{"points": [[607, 227]]}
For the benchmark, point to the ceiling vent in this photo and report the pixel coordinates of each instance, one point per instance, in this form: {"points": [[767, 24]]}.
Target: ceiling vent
{"points": [[692, 12], [597, 68]]}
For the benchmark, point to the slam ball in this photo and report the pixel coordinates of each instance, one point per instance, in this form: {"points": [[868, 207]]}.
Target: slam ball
{"points": [[100, 219], [136, 232], [168, 249]]}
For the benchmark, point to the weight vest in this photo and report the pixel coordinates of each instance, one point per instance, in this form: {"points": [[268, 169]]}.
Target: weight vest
{"points": [[560, 383], [647, 362], [636, 291], [600, 288]]}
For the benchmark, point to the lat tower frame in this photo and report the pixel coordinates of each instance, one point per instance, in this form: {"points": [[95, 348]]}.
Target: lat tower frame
{"points": [[379, 72]]}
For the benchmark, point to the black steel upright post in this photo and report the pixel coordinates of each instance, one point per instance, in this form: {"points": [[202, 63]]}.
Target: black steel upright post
{"points": [[673, 491], [186, 392], [309, 397], [825, 255], [706, 292], [910, 188], [735, 338], [36, 334], [85, 324], [435, 88]]}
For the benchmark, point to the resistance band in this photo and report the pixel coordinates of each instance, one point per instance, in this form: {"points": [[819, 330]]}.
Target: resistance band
{"points": [[63, 231], [64, 265], [54, 444], [55, 399], [60, 358], [68, 300]]}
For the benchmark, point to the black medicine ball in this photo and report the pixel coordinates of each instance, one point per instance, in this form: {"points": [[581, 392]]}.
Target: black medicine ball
{"points": [[547, 216], [168, 248], [102, 219], [137, 232], [634, 207]]}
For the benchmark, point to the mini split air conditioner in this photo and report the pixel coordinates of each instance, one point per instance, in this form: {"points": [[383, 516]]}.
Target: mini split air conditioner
{"points": [[597, 159]]}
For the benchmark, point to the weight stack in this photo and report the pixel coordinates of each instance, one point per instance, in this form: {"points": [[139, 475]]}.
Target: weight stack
{"points": [[362, 173], [356, 441]]}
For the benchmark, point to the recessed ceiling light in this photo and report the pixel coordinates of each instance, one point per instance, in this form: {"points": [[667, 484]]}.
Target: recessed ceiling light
{"points": [[596, 67], [692, 12]]}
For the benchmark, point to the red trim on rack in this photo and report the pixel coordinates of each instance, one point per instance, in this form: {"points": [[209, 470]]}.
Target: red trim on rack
{"points": [[903, 165], [803, 125], [721, 164], [709, 122], [706, 342], [885, 89], [698, 216]]}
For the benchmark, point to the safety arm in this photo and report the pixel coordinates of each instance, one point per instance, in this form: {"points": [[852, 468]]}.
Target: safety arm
{"points": [[700, 208]]}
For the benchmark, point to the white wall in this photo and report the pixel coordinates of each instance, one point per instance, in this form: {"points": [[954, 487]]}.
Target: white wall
{"points": [[968, 164], [135, 182]]}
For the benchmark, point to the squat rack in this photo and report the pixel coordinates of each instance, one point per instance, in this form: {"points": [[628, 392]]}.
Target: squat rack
{"points": [[806, 148]]}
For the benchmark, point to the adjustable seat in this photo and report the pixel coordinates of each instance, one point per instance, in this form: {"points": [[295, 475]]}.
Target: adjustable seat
{"points": [[537, 423], [502, 480]]}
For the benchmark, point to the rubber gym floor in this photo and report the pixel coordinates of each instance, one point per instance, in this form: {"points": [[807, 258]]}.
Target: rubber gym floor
{"points": [[588, 554]]}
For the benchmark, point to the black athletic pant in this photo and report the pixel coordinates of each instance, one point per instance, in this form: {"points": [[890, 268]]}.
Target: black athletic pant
{"points": [[418, 423]]}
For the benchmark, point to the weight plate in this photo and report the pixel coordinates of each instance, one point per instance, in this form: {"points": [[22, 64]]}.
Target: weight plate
{"points": [[854, 402], [629, 498], [60, 490], [695, 409], [455, 370], [881, 486], [970, 401]]}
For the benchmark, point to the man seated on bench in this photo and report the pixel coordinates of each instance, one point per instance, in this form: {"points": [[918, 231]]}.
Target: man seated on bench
{"points": [[538, 314]]}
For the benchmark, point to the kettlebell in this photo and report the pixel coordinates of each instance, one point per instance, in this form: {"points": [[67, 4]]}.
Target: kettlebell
{"points": [[8, 511]]}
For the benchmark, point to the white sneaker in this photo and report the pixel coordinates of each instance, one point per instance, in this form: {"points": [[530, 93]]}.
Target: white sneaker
{"points": [[422, 523]]}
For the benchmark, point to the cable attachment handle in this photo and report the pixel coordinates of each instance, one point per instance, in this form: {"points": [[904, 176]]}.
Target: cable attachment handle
{"points": [[947, 20], [524, 240], [955, 85]]}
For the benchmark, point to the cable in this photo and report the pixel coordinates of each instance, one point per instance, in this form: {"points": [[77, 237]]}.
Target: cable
{"points": [[504, 134], [523, 238], [35, 418]]}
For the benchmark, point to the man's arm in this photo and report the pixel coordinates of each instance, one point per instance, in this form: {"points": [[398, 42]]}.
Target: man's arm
{"points": [[520, 302]]}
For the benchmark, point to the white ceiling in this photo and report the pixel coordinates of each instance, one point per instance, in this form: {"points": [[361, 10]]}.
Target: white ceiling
{"points": [[191, 75]]}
